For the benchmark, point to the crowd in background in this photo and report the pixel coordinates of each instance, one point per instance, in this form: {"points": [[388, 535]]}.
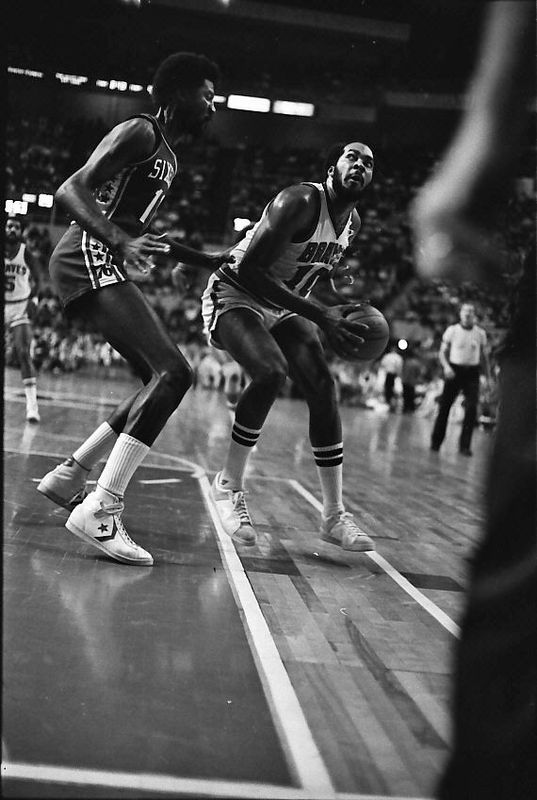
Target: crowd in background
{"points": [[215, 187]]}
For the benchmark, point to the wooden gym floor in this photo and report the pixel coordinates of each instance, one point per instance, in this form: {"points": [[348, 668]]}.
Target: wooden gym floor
{"points": [[288, 670]]}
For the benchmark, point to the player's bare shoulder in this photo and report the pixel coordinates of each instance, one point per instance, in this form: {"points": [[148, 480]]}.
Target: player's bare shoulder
{"points": [[299, 202], [137, 126], [136, 135]]}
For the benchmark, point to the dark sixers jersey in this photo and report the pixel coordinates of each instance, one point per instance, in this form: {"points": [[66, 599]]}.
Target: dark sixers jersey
{"points": [[131, 198]]}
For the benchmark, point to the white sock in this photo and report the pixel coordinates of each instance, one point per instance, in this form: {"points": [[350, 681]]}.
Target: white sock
{"points": [[240, 447], [30, 390], [125, 458], [95, 446], [329, 462]]}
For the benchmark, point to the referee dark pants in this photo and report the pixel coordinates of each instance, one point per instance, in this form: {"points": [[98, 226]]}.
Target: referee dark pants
{"points": [[465, 380]]}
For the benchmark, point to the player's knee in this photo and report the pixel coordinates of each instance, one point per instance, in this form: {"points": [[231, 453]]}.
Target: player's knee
{"points": [[320, 386], [175, 381], [271, 376]]}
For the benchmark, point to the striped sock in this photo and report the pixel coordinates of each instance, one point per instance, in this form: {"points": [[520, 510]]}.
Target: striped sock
{"points": [[125, 458], [329, 462], [95, 446], [240, 447]]}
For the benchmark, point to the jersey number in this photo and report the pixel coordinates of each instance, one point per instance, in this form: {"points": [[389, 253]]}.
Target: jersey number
{"points": [[9, 283], [152, 206], [306, 277]]}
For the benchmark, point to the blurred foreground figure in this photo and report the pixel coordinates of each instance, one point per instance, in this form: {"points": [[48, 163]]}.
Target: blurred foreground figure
{"points": [[495, 696]]}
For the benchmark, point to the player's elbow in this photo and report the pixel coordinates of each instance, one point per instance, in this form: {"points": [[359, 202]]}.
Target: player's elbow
{"points": [[59, 194], [67, 191], [63, 193]]}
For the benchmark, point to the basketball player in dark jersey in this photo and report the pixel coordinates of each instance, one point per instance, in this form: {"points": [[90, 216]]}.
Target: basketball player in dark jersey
{"points": [[257, 309], [112, 200]]}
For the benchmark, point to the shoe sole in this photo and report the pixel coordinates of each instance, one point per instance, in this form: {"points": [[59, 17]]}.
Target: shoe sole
{"points": [[60, 501], [245, 542], [94, 543], [364, 548]]}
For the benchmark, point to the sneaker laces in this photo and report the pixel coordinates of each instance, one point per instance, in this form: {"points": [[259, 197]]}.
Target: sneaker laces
{"points": [[80, 495], [123, 531], [112, 509], [350, 524], [72, 463], [239, 505]]}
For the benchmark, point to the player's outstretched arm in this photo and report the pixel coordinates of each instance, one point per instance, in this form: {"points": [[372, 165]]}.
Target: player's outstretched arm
{"points": [[196, 258]]}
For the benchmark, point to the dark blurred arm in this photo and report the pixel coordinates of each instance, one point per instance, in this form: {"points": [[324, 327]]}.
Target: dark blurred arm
{"points": [[451, 211]]}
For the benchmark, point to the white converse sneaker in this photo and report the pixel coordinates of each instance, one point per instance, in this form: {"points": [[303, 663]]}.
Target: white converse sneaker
{"points": [[99, 523], [65, 484], [233, 512], [32, 413], [341, 529]]}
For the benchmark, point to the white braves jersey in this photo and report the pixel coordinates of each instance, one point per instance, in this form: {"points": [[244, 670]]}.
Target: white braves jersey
{"points": [[301, 263], [17, 277]]}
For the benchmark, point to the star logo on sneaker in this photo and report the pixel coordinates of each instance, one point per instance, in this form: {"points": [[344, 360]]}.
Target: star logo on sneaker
{"points": [[104, 527]]}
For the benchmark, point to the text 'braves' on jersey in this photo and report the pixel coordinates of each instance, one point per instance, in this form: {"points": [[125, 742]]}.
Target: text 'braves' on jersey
{"points": [[302, 263], [17, 277]]}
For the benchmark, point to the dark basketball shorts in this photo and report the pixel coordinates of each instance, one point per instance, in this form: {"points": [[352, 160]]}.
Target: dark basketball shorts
{"points": [[80, 263]]}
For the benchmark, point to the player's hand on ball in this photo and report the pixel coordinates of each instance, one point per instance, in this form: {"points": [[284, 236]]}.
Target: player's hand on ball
{"points": [[339, 332], [362, 334]]}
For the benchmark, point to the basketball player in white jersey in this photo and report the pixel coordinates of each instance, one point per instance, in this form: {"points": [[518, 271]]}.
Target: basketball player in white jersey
{"points": [[257, 309], [21, 278]]}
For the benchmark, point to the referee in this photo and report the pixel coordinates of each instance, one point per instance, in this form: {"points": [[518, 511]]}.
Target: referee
{"points": [[462, 353]]}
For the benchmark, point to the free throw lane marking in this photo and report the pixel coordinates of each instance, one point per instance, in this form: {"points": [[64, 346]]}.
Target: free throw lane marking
{"points": [[161, 480]]}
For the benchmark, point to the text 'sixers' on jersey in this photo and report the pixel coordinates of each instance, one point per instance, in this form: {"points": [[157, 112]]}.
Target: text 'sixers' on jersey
{"points": [[17, 277], [80, 262], [131, 198], [301, 264]]}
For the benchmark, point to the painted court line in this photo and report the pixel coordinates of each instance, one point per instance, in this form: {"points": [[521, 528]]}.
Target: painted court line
{"points": [[299, 745], [440, 616], [159, 480], [169, 784], [296, 737]]}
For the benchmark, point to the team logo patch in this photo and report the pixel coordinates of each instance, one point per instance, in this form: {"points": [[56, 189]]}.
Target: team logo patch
{"points": [[104, 528]]}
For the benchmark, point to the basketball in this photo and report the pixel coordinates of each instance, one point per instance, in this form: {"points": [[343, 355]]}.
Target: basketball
{"points": [[376, 337]]}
